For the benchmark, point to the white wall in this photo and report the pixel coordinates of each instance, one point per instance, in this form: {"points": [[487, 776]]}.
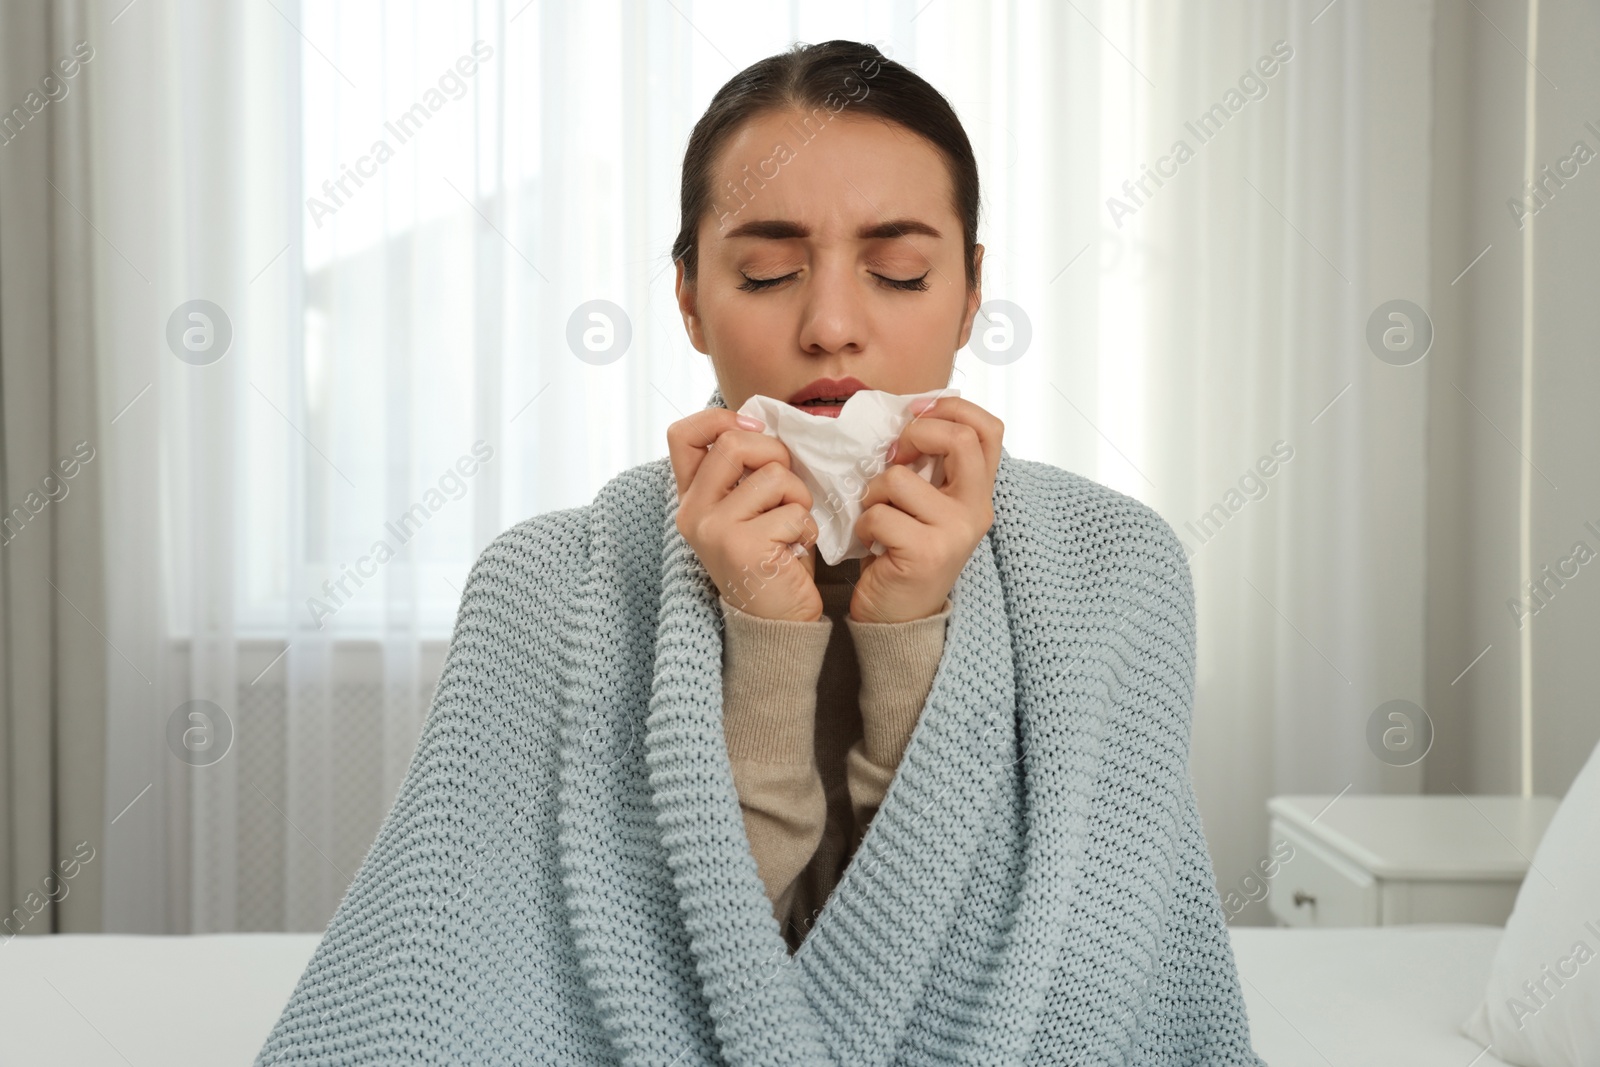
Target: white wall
{"points": [[1483, 91]]}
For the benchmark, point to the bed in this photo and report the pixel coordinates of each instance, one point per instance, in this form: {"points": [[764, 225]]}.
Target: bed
{"points": [[1347, 997], [1372, 996]]}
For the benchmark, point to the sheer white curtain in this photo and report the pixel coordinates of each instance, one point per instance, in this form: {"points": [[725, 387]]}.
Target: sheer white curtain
{"points": [[1259, 266], [399, 211]]}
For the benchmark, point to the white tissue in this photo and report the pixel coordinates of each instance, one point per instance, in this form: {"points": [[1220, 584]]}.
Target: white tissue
{"points": [[837, 456]]}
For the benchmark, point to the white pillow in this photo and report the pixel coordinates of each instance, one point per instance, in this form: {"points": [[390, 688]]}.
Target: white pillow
{"points": [[1542, 1005]]}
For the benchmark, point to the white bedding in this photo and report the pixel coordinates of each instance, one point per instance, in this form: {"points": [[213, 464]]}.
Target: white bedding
{"points": [[1385, 996], [88, 999], [1389, 996]]}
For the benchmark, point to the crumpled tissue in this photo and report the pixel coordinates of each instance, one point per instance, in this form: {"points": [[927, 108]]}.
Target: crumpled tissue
{"points": [[837, 456]]}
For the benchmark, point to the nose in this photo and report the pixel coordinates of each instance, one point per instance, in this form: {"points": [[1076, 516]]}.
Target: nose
{"points": [[835, 317]]}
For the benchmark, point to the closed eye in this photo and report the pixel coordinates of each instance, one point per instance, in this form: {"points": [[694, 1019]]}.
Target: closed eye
{"points": [[756, 285]]}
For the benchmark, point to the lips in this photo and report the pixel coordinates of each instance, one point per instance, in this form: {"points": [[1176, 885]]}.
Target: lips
{"points": [[832, 392]]}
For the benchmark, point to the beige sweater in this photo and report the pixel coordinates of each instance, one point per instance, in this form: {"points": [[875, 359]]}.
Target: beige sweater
{"points": [[816, 717]]}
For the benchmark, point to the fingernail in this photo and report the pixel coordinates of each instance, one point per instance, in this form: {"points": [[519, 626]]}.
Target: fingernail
{"points": [[750, 422], [919, 406], [798, 549], [889, 457]]}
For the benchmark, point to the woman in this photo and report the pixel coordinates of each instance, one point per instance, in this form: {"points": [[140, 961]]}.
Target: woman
{"points": [[665, 810], [824, 279]]}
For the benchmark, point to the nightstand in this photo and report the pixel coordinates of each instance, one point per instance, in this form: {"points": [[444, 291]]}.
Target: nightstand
{"points": [[1386, 860]]}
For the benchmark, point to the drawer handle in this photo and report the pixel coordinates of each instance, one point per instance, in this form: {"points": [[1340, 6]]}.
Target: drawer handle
{"points": [[1302, 898]]}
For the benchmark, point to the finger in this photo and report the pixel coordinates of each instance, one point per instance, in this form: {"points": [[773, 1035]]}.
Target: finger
{"points": [[690, 440], [968, 475], [779, 531], [733, 456], [767, 487], [790, 524], [913, 494], [895, 530], [990, 430]]}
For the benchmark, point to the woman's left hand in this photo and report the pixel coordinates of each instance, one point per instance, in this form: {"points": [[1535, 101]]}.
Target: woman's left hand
{"points": [[928, 533]]}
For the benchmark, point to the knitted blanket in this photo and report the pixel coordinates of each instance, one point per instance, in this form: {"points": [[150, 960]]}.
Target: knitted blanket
{"points": [[564, 876]]}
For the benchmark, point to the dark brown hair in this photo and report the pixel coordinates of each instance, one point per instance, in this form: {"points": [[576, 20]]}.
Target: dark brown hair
{"points": [[813, 77]]}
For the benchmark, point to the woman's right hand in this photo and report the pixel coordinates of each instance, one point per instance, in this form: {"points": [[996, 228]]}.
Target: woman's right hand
{"points": [[742, 530]]}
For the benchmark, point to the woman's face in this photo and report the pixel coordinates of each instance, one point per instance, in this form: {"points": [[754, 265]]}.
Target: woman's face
{"points": [[864, 204]]}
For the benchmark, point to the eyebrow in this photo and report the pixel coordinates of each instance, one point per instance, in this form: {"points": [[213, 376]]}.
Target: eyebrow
{"points": [[785, 230]]}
